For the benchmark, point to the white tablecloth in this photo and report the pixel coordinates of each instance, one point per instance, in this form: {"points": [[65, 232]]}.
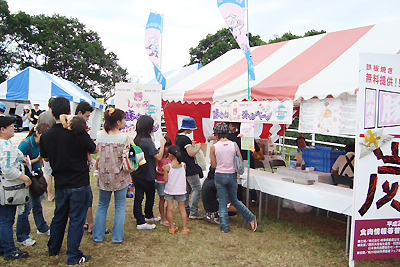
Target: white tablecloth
{"points": [[320, 195]]}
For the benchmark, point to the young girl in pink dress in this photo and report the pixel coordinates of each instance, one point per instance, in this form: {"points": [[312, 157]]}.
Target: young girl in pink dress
{"points": [[175, 188]]}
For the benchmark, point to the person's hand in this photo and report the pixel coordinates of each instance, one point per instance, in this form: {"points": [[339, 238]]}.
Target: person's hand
{"points": [[163, 141], [27, 181], [25, 160]]}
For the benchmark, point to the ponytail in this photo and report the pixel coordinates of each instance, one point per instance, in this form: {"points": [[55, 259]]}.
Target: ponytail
{"points": [[175, 151]]}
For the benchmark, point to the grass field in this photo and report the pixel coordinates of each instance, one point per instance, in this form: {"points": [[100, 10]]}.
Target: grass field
{"points": [[294, 240]]}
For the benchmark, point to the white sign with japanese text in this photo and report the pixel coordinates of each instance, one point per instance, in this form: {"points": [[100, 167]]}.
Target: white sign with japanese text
{"points": [[329, 115], [274, 112], [376, 208], [137, 100]]}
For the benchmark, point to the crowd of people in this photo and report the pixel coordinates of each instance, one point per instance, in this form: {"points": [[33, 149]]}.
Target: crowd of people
{"points": [[61, 146]]}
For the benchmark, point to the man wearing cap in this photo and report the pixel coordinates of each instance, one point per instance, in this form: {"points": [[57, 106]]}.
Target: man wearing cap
{"points": [[188, 151], [35, 112]]}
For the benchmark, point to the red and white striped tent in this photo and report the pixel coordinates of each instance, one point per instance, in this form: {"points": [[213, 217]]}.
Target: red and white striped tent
{"points": [[325, 65]]}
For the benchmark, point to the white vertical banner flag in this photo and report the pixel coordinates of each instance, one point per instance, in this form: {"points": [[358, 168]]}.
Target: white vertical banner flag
{"points": [[152, 41], [233, 12]]}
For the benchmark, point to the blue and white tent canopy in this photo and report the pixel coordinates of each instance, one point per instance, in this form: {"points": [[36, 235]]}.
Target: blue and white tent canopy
{"points": [[32, 84]]}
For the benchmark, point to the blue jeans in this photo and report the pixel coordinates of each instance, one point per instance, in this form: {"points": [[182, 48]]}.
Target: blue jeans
{"points": [[193, 183], [226, 184], [72, 203], [7, 216], [23, 226], [99, 226]]}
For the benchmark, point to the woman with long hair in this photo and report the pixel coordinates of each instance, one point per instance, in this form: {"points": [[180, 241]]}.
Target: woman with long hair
{"points": [[25, 118], [111, 176], [222, 156], [30, 147], [145, 176], [12, 169]]}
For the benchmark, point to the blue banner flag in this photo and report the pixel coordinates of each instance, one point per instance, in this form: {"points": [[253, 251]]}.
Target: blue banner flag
{"points": [[152, 44]]}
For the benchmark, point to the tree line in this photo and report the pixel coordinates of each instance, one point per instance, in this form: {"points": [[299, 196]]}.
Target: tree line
{"points": [[58, 45]]}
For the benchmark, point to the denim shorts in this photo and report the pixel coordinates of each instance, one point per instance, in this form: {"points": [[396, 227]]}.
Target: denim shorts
{"points": [[160, 188], [178, 198]]}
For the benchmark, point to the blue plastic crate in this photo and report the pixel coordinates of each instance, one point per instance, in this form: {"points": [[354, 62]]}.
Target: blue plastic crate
{"points": [[321, 159]]}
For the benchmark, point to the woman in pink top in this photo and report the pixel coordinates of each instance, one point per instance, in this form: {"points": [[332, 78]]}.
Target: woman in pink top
{"points": [[222, 159], [175, 188]]}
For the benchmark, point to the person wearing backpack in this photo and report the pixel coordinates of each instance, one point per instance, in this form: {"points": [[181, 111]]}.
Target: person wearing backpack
{"points": [[112, 178]]}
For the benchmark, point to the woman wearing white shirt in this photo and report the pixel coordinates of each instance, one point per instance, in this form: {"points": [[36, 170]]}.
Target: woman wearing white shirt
{"points": [[25, 118]]}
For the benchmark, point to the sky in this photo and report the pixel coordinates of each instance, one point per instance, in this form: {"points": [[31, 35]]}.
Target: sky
{"points": [[121, 23]]}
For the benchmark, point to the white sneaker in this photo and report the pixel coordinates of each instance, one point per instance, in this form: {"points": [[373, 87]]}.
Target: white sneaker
{"points": [[43, 233], [196, 216], [145, 226], [154, 219], [27, 242]]}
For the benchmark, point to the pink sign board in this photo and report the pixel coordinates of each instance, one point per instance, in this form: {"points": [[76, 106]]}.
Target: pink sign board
{"points": [[389, 109], [370, 107], [376, 239]]}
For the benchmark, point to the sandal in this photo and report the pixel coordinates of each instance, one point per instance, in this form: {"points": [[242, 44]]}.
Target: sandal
{"points": [[173, 231], [165, 223], [254, 225], [185, 232], [106, 232]]}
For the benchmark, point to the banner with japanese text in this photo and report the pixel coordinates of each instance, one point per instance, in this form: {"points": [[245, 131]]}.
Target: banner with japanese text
{"points": [[137, 100], [233, 12], [329, 115], [274, 112], [152, 39], [376, 209]]}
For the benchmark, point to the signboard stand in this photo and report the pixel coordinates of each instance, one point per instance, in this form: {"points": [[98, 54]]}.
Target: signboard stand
{"points": [[375, 228]]}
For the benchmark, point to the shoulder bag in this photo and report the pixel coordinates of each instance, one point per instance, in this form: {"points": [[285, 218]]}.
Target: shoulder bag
{"points": [[239, 164], [132, 157], [39, 184]]}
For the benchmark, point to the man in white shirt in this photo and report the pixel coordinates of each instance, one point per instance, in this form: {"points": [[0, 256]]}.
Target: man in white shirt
{"points": [[344, 164]]}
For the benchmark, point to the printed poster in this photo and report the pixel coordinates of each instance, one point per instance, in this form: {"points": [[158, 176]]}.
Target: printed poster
{"points": [[137, 100], [376, 209], [329, 116]]}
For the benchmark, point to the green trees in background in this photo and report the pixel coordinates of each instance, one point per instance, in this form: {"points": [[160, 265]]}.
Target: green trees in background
{"points": [[215, 45], [289, 36], [58, 45]]}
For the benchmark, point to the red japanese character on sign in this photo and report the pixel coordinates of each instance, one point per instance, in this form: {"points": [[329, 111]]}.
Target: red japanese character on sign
{"points": [[389, 81], [369, 67], [382, 80], [383, 69], [368, 78], [390, 191], [376, 78], [390, 70], [376, 67]]}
